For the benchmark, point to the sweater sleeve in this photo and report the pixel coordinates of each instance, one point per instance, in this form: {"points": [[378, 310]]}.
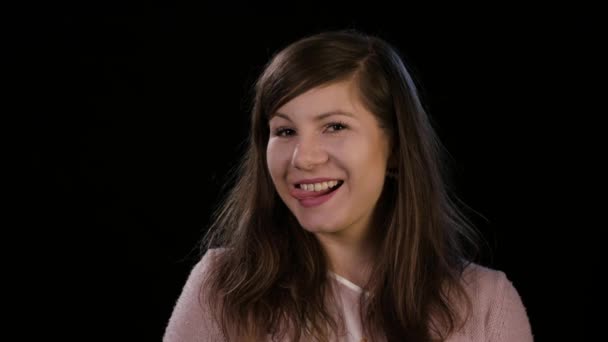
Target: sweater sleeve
{"points": [[508, 320], [191, 320]]}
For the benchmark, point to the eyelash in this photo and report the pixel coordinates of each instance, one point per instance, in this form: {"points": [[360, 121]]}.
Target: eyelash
{"points": [[279, 131]]}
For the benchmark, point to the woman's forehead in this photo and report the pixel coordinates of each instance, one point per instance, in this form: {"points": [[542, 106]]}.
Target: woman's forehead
{"points": [[321, 102]]}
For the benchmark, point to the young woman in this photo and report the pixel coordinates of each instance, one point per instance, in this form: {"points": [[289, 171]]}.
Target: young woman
{"points": [[339, 226]]}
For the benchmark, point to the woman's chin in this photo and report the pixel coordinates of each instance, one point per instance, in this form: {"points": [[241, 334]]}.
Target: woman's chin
{"points": [[318, 227]]}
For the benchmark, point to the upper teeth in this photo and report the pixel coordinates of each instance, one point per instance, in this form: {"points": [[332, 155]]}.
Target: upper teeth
{"points": [[318, 186]]}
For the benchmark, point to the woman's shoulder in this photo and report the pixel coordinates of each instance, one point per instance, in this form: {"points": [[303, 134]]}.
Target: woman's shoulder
{"points": [[209, 258], [497, 308], [190, 319], [488, 287], [483, 280], [201, 268]]}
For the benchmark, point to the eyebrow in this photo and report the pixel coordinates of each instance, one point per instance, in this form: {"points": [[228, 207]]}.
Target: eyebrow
{"points": [[318, 117]]}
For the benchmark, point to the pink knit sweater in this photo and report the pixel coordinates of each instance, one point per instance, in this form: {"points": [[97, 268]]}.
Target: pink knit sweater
{"points": [[498, 313]]}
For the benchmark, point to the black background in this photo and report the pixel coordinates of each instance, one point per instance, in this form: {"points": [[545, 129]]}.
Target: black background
{"points": [[136, 114]]}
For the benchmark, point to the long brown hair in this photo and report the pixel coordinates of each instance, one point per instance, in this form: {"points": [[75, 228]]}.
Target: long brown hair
{"points": [[272, 275]]}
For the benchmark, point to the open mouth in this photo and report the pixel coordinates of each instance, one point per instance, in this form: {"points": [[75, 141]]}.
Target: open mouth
{"points": [[312, 195]]}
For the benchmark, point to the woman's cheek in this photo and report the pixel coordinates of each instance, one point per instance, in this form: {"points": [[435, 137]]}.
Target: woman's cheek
{"points": [[277, 154]]}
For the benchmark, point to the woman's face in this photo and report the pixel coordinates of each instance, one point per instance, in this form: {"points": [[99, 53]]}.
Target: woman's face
{"points": [[327, 157]]}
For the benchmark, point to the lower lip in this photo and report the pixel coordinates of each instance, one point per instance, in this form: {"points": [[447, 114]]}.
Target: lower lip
{"points": [[316, 201]]}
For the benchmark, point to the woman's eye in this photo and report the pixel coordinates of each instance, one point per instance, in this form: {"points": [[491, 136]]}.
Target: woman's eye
{"points": [[284, 132], [335, 127], [287, 132]]}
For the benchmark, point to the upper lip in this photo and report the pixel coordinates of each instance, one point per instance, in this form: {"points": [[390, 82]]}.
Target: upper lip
{"points": [[315, 180]]}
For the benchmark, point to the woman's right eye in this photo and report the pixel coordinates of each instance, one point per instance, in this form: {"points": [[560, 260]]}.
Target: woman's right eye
{"points": [[284, 132]]}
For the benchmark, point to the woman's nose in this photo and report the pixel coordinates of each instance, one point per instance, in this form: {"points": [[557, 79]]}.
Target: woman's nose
{"points": [[308, 154]]}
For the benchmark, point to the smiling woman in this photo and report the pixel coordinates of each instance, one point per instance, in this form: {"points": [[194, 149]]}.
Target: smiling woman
{"points": [[340, 227], [333, 138]]}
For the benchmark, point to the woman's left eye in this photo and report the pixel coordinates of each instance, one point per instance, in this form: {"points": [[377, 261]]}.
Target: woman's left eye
{"points": [[336, 126]]}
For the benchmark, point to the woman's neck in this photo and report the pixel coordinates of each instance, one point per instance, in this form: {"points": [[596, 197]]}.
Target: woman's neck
{"points": [[350, 258]]}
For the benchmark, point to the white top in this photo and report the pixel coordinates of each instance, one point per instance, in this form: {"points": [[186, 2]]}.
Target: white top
{"points": [[348, 303]]}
